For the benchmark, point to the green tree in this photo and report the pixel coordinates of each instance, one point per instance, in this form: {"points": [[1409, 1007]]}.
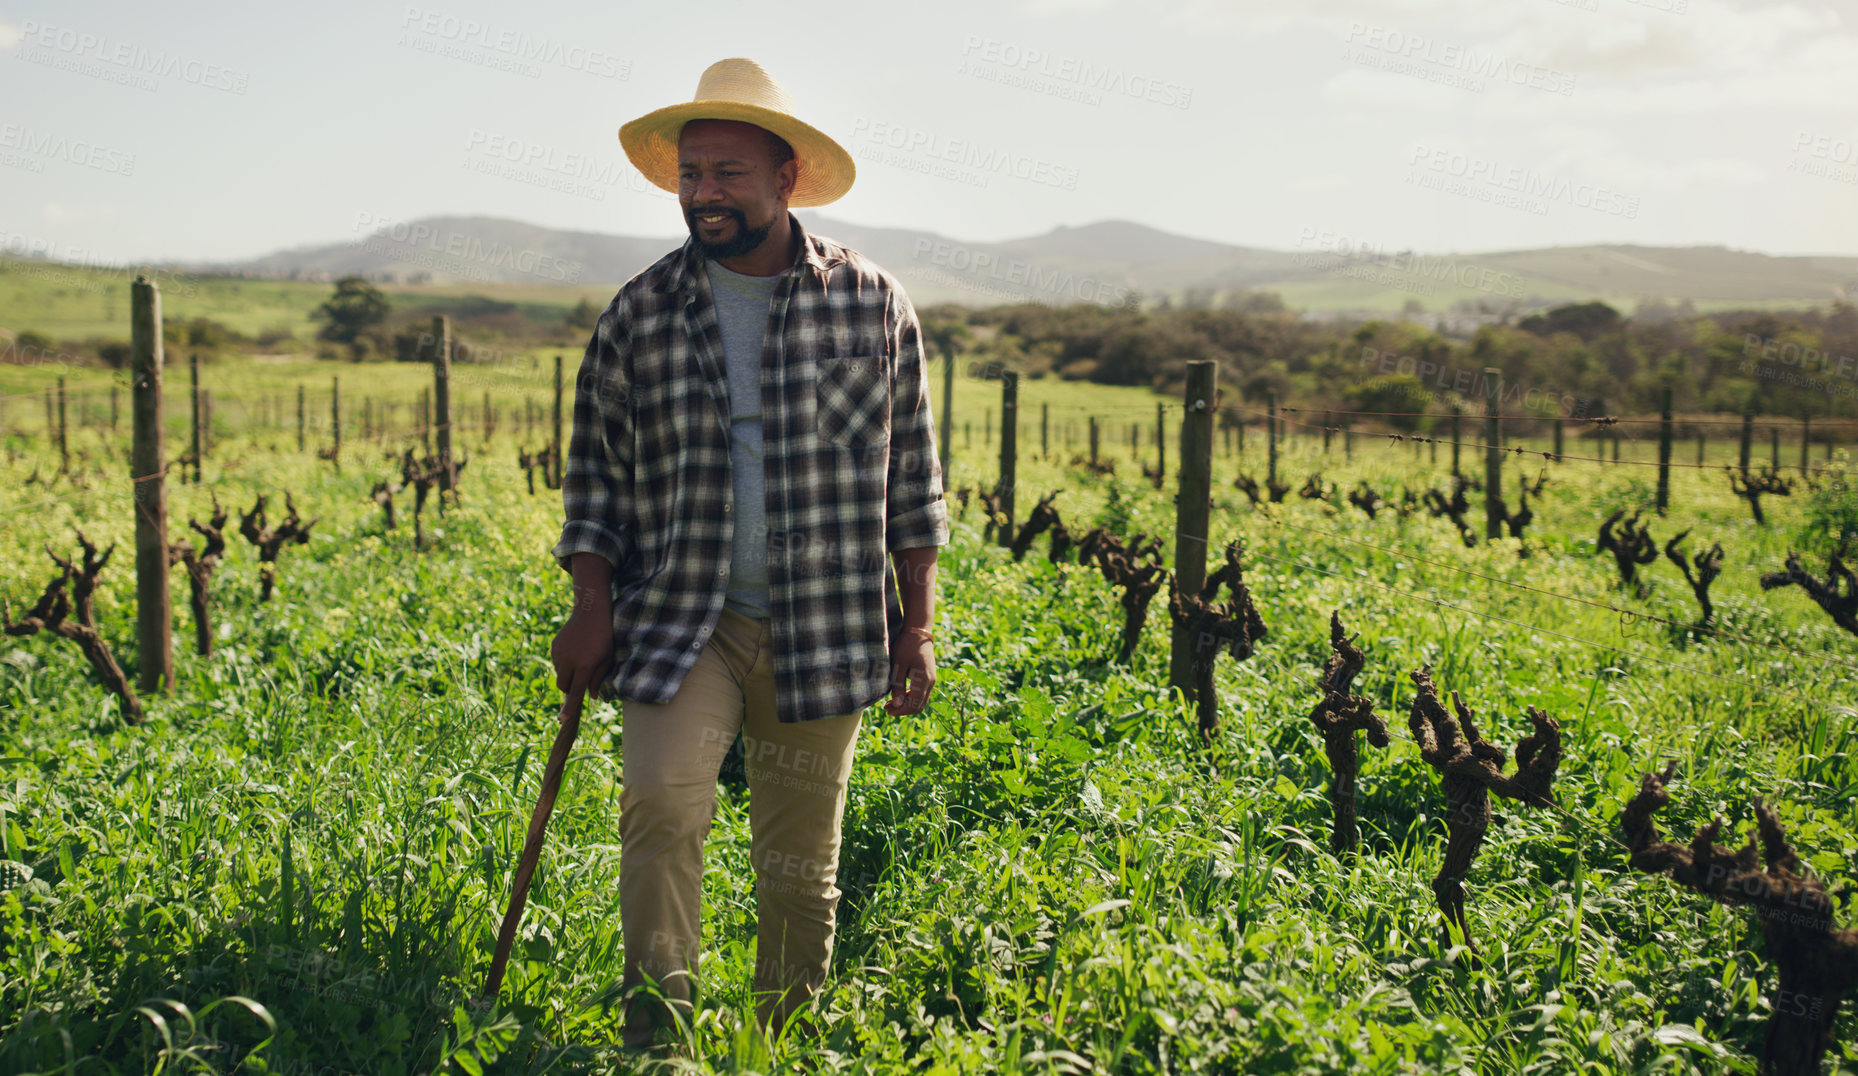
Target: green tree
{"points": [[1393, 399], [584, 316], [945, 335], [198, 334], [32, 347], [356, 307], [1585, 320]]}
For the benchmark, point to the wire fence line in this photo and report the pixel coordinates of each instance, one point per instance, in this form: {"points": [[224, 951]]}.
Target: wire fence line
{"points": [[1249, 552], [254, 467], [1624, 614], [245, 467], [1548, 455]]}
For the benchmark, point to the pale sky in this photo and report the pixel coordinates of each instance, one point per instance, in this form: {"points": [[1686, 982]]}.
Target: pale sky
{"points": [[225, 131]]}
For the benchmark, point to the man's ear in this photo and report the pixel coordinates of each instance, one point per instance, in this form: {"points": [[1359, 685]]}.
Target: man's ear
{"points": [[786, 178]]}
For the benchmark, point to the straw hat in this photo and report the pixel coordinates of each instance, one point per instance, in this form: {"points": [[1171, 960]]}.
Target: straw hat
{"points": [[738, 89]]}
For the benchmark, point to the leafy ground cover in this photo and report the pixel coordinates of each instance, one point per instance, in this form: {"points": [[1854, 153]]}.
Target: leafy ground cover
{"points": [[297, 865]]}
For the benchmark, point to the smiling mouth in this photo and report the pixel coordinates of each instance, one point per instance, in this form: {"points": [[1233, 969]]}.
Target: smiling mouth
{"points": [[714, 219]]}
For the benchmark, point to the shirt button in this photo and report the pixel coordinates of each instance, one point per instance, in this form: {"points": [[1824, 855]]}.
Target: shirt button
{"points": [[724, 570], [727, 506]]}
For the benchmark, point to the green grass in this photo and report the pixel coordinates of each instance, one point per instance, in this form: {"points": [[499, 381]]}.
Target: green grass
{"points": [[299, 864], [74, 302]]}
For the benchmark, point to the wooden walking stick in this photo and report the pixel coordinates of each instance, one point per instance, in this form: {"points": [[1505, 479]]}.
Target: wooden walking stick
{"points": [[532, 845]]}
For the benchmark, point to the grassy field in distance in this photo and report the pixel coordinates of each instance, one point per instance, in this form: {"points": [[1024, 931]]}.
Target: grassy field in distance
{"points": [[68, 302]]}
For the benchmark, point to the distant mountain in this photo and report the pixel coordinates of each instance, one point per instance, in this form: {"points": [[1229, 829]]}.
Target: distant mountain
{"points": [[1107, 262], [446, 249]]}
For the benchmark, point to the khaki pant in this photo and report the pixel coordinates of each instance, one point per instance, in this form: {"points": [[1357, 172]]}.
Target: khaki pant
{"points": [[797, 775]]}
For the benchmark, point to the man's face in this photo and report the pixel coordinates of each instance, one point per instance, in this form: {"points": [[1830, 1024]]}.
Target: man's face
{"points": [[731, 191]]}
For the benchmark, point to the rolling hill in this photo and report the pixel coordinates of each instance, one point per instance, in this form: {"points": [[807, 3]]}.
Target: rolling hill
{"points": [[1108, 262]]}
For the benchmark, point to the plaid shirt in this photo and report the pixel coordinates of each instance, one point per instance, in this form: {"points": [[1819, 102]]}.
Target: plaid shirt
{"points": [[850, 470]]}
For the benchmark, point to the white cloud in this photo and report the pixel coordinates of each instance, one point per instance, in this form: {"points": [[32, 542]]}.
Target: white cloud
{"points": [[10, 34]]}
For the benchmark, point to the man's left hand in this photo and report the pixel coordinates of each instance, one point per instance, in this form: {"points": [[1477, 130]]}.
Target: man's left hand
{"points": [[912, 674]]}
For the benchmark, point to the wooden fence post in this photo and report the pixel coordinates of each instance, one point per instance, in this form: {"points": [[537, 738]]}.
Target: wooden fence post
{"points": [[1193, 505], [1806, 439], [154, 611], [1664, 452], [442, 400], [1557, 437], [557, 440], [1093, 440], [114, 407], [1748, 436], [64, 441], [1457, 438], [335, 422], [1045, 433], [193, 366], [1161, 447], [300, 416], [1009, 451], [1271, 420], [948, 412], [1493, 452]]}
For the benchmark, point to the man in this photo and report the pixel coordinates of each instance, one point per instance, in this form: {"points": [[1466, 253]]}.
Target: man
{"points": [[752, 436]]}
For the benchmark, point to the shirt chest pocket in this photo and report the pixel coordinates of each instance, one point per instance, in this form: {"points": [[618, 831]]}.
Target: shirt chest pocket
{"points": [[854, 401]]}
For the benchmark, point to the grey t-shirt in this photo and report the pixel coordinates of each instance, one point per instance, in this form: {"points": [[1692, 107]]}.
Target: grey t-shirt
{"points": [[742, 315]]}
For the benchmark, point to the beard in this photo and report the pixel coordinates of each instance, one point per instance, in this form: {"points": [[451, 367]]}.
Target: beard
{"points": [[746, 239]]}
